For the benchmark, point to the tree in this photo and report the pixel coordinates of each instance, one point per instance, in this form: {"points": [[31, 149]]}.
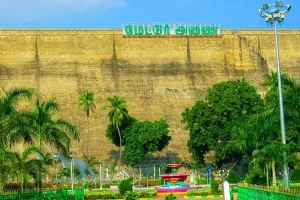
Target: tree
{"points": [[112, 131], [23, 165], [117, 114], [8, 108], [46, 129], [88, 101], [145, 137], [291, 96], [5, 166], [261, 132], [210, 122]]}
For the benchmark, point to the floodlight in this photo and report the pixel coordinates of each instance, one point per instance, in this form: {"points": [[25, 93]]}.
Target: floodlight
{"points": [[272, 16]]}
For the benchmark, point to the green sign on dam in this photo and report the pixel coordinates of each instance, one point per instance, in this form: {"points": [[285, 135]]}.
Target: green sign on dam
{"points": [[158, 28]]}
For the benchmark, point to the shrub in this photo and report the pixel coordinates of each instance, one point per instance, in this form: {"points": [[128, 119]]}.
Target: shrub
{"points": [[214, 187], [107, 194], [170, 197], [146, 193], [160, 181], [233, 177], [125, 186], [103, 194], [257, 177], [130, 196], [295, 176], [198, 192]]}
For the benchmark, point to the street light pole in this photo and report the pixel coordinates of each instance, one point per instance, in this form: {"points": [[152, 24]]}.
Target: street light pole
{"points": [[72, 188], [100, 173], [273, 16]]}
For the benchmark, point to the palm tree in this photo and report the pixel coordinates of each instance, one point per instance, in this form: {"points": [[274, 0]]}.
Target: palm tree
{"points": [[47, 162], [117, 114], [24, 165], [8, 107], [88, 101], [5, 166], [45, 129]]}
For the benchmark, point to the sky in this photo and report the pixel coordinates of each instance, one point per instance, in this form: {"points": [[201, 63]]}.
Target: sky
{"points": [[110, 14]]}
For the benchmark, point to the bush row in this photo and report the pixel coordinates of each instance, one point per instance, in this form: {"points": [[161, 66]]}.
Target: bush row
{"points": [[202, 192], [106, 194]]}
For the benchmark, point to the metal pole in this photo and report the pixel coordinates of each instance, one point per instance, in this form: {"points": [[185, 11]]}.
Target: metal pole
{"points": [[132, 176], [106, 171], [100, 174], [159, 170], [140, 172], [154, 173], [72, 189], [282, 123]]}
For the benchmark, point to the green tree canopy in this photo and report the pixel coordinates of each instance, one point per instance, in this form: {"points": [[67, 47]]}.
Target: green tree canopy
{"points": [[145, 137], [112, 131], [210, 122]]}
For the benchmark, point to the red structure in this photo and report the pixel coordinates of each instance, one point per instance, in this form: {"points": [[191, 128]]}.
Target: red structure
{"points": [[173, 178]]}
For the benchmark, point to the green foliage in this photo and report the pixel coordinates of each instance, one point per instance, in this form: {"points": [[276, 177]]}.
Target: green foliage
{"points": [[214, 187], [201, 192], [112, 131], [291, 93], [130, 196], [88, 101], [233, 177], [295, 176], [103, 194], [160, 181], [118, 110], [146, 193], [256, 176], [170, 196], [125, 186], [107, 194], [209, 122], [144, 137]]}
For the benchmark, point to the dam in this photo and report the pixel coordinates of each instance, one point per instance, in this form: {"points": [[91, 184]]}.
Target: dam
{"points": [[158, 75]]}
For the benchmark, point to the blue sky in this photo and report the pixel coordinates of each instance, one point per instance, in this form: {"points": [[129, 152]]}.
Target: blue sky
{"points": [[101, 14]]}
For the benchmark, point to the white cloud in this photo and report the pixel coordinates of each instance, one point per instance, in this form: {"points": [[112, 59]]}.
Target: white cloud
{"points": [[25, 10]]}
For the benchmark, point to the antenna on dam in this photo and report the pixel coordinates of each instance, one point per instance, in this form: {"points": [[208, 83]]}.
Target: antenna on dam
{"points": [[273, 15]]}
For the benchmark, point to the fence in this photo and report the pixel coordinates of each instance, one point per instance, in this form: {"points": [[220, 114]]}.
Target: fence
{"points": [[246, 193], [62, 194]]}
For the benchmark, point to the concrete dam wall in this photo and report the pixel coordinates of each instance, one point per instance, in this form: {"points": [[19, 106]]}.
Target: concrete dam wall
{"points": [[159, 76]]}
